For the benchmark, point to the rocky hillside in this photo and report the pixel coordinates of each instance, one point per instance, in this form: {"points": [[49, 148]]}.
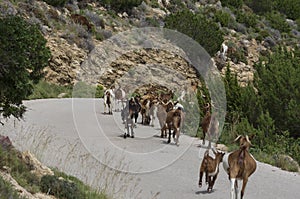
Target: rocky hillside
{"points": [[71, 40]]}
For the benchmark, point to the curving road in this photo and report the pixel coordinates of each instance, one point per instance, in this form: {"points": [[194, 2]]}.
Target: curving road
{"points": [[75, 136]]}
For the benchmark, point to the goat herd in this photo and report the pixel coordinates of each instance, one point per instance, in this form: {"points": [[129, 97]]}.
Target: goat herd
{"points": [[239, 164]]}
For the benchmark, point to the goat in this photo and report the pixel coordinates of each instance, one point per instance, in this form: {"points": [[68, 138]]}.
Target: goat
{"points": [[162, 110], [82, 20], [239, 165], [210, 166], [210, 126], [147, 109], [165, 97], [120, 96], [205, 121], [108, 98], [128, 113], [173, 121]]}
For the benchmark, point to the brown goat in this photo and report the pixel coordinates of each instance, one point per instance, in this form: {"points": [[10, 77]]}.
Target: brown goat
{"points": [[210, 126], [239, 165], [210, 166], [173, 122], [205, 121], [161, 113], [82, 20]]}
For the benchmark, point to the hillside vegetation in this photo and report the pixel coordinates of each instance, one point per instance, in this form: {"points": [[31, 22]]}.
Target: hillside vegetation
{"points": [[261, 70]]}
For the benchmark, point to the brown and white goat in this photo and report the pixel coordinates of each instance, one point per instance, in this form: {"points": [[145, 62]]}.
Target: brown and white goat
{"points": [[239, 165], [210, 167]]}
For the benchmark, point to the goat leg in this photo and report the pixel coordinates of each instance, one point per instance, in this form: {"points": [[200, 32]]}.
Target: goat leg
{"points": [[200, 178]]}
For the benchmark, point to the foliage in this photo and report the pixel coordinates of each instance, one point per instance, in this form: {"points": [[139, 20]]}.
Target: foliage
{"points": [[278, 83], [277, 21], [260, 7], [291, 8], [249, 19], [19, 170], [232, 3], [47, 90], [196, 26], [121, 5], [6, 191], [23, 55], [59, 187], [56, 3], [83, 90], [84, 190], [224, 18]]}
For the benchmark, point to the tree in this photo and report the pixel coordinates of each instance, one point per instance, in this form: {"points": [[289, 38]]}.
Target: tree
{"points": [[198, 27], [277, 83], [23, 55]]}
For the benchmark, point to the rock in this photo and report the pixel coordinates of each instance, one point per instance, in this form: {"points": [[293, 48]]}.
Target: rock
{"points": [[62, 95], [269, 42], [35, 165], [5, 142]]}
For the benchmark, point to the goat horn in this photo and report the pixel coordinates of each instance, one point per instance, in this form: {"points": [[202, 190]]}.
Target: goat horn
{"points": [[247, 138], [237, 138]]}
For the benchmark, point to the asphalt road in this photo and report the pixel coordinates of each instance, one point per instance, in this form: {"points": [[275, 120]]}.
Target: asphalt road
{"points": [[75, 136]]}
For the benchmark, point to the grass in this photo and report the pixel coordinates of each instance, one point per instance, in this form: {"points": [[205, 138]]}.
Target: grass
{"points": [[44, 90], [6, 190], [69, 155], [66, 186]]}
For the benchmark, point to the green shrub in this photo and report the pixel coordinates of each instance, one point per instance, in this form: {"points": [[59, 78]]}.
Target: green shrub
{"points": [[249, 19], [44, 90], [261, 6], [232, 3], [291, 8], [6, 191], [277, 21], [19, 170], [83, 90], [121, 5], [56, 3], [224, 18], [59, 187], [198, 27]]}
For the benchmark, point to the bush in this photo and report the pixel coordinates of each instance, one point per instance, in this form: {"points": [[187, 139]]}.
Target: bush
{"points": [[224, 18], [232, 3], [56, 3], [249, 19], [196, 26], [291, 8], [277, 21], [44, 90], [6, 191], [261, 6], [121, 5], [19, 170], [59, 187]]}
